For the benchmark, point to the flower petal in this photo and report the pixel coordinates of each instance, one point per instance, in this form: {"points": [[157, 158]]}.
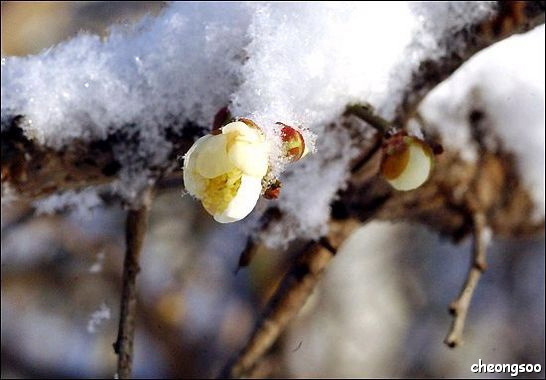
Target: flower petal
{"points": [[250, 158], [212, 160], [243, 202], [193, 182], [243, 132]]}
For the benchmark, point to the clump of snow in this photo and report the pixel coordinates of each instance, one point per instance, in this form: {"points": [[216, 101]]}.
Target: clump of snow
{"points": [[183, 64], [97, 317], [78, 202], [506, 82], [307, 62], [436, 23], [309, 188]]}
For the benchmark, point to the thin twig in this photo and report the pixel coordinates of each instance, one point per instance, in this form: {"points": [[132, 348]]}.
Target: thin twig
{"points": [[459, 307], [135, 230], [295, 288], [367, 113]]}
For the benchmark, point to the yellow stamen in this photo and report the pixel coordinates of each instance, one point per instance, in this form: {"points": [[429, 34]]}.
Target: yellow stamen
{"points": [[221, 190]]}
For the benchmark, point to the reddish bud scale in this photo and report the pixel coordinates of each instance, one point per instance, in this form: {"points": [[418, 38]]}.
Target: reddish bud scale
{"points": [[293, 142], [273, 191], [222, 117]]}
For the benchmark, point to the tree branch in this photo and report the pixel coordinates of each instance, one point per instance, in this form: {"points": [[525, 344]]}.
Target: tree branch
{"points": [[137, 222], [459, 307], [294, 289], [32, 170]]}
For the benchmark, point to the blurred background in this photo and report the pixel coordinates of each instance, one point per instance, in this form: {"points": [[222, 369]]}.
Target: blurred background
{"points": [[380, 310]]}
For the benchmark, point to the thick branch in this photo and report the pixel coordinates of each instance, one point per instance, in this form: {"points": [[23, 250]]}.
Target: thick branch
{"points": [[137, 222], [32, 170]]}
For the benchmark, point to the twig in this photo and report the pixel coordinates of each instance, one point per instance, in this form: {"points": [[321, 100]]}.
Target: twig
{"points": [[135, 230], [295, 288], [459, 307], [367, 113]]}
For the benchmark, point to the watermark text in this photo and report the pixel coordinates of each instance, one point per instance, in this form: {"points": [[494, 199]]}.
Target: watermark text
{"points": [[512, 369]]}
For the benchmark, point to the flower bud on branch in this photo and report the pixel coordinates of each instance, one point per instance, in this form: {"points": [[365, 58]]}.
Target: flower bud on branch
{"points": [[225, 169]]}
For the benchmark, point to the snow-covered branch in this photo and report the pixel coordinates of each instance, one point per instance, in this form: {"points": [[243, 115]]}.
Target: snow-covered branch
{"points": [[461, 43], [88, 112], [120, 112]]}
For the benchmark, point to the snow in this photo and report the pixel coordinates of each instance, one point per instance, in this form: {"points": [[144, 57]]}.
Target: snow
{"points": [[163, 71], [506, 81], [161, 68], [96, 267], [79, 202], [297, 63], [436, 21], [307, 62], [306, 210], [97, 317]]}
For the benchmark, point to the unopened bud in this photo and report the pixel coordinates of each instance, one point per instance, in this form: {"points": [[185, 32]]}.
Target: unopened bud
{"points": [[407, 162], [293, 143]]}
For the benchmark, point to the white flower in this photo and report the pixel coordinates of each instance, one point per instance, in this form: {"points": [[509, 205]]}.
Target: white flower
{"points": [[225, 170]]}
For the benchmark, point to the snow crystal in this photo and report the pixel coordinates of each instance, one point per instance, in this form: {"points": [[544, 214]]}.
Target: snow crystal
{"points": [[97, 317], [506, 81], [308, 61]]}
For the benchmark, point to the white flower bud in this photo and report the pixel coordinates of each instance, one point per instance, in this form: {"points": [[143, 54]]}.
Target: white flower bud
{"points": [[407, 162]]}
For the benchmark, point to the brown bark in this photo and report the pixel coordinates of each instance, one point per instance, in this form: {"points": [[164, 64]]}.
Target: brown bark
{"points": [[137, 222]]}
